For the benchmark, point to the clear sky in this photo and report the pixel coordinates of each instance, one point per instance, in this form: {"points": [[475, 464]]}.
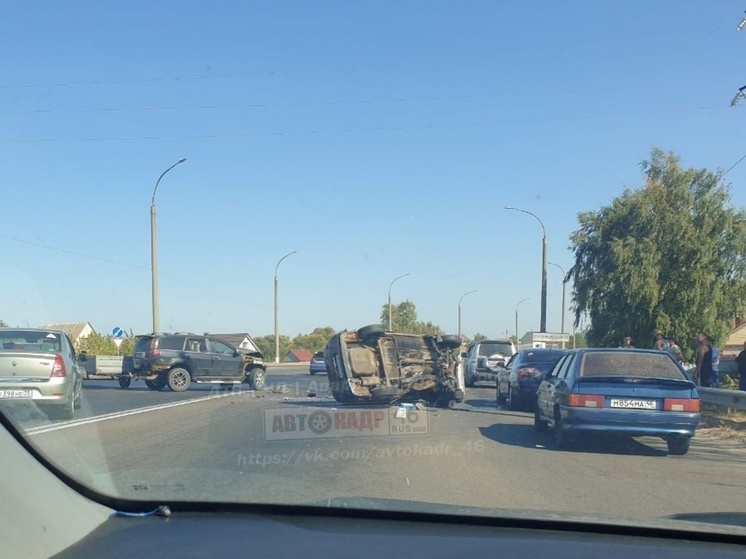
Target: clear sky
{"points": [[374, 138]]}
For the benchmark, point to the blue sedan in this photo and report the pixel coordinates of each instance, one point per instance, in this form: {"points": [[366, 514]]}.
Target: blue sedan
{"points": [[622, 391], [519, 380], [318, 363]]}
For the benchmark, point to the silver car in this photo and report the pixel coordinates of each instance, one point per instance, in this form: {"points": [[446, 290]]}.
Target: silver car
{"points": [[484, 360], [40, 366]]}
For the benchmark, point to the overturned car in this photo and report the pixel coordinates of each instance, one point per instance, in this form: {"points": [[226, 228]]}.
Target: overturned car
{"points": [[372, 365]]}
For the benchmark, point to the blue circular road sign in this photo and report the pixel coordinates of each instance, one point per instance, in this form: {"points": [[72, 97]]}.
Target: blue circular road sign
{"points": [[117, 332]]}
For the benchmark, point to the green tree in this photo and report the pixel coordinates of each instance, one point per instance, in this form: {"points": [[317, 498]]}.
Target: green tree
{"points": [[429, 329], [404, 317], [315, 341], [667, 256], [478, 337], [580, 341], [266, 345], [100, 344]]}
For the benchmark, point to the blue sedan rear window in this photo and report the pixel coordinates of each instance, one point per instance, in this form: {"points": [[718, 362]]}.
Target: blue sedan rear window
{"points": [[629, 364]]}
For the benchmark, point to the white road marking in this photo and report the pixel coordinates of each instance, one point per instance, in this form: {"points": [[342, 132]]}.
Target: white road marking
{"points": [[116, 415]]}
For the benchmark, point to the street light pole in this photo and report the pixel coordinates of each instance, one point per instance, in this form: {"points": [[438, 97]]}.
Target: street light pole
{"points": [[277, 329], [516, 321], [154, 251], [564, 285], [390, 308], [543, 323], [459, 311]]}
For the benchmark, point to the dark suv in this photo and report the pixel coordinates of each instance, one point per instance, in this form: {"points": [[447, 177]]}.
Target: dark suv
{"points": [[178, 360]]}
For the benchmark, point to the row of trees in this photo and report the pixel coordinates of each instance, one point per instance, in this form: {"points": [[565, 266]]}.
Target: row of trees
{"points": [[667, 256]]}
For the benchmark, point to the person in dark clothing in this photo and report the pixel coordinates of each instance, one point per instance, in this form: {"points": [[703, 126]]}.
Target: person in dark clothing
{"points": [[741, 363], [703, 374]]}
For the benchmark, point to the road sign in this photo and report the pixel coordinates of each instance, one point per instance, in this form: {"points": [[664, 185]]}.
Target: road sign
{"points": [[551, 337], [117, 333], [118, 342]]}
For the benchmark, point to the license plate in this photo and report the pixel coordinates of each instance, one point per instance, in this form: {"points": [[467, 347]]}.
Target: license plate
{"points": [[633, 404], [16, 394]]}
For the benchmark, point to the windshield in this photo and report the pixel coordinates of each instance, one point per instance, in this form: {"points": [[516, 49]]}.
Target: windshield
{"points": [[491, 348], [629, 364], [320, 180], [29, 341]]}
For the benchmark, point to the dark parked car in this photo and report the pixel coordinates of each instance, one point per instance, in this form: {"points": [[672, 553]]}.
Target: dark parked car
{"points": [[177, 360], [371, 365], [518, 382], [318, 363], [628, 392]]}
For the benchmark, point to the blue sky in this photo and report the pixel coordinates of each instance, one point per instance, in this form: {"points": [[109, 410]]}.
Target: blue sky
{"points": [[375, 138]]}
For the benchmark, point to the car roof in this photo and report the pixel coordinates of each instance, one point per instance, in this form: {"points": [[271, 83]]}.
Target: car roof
{"points": [[543, 350], [48, 330], [616, 350]]}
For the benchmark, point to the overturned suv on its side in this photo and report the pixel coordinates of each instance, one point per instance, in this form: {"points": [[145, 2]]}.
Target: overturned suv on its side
{"points": [[372, 365]]}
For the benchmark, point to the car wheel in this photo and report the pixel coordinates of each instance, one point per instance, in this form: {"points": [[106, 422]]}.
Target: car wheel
{"points": [[500, 397], [79, 400], [512, 400], [179, 379], [370, 333], [157, 384], [678, 445], [450, 342], [540, 425], [386, 392], [560, 437], [66, 411], [257, 378], [124, 381]]}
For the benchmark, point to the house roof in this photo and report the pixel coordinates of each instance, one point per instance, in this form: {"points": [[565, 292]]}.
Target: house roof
{"points": [[72, 329], [301, 354], [736, 339]]}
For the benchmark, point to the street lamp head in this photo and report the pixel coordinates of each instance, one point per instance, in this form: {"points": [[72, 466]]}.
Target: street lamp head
{"points": [[508, 208], [182, 160]]}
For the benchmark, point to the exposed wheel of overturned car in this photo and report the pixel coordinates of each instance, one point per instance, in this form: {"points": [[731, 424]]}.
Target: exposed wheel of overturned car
{"points": [[384, 392], [124, 381], [370, 333], [449, 342]]}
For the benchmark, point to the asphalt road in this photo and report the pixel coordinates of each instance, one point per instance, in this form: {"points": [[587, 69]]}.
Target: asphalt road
{"points": [[283, 445]]}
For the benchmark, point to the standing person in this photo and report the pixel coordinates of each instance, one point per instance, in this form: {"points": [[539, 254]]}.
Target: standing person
{"points": [[715, 383], [661, 343], [741, 364], [675, 351], [628, 343], [703, 372]]}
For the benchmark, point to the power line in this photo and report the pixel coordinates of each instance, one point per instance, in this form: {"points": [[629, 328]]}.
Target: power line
{"points": [[217, 136], [462, 97], [232, 75], [311, 69], [124, 264], [729, 169]]}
